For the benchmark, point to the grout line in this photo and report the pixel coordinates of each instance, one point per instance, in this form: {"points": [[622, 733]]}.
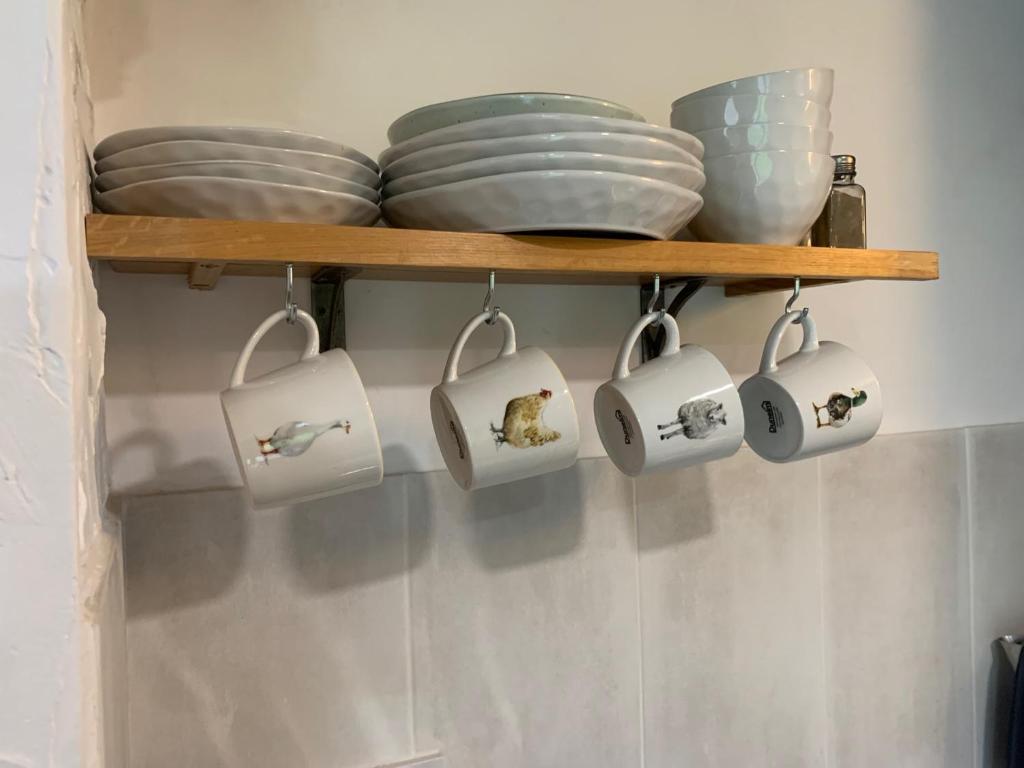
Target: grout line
{"points": [[823, 618], [968, 492], [639, 625], [410, 670]]}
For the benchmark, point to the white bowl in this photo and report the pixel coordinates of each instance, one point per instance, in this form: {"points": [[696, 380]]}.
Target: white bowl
{"points": [[578, 201], [434, 116], [623, 144], [680, 174], [262, 137], [716, 111], [540, 122], [812, 83], [763, 197], [212, 198], [192, 151], [753, 137], [234, 169]]}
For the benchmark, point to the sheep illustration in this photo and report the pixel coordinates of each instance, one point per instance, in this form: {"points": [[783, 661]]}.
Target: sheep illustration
{"points": [[523, 426], [839, 408], [697, 419], [295, 438]]}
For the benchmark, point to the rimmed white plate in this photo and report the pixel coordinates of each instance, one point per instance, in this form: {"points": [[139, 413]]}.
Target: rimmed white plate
{"points": [[260, 137], [192, 151], [234, 169], [213, 198], [443, 114], [681, 174], [622, 144], [577, 201], [539, 122]]}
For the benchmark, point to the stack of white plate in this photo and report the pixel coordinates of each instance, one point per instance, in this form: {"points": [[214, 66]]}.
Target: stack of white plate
{"points": [[533, 162], [767, 144], [235, 173]]}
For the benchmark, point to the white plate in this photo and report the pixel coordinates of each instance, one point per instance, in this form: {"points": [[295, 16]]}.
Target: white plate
{"points": [[234, 169], [680, 174], [623, 144], [540, 122], [192, 151], [434, 116], [580, 201], [260, 137], [212, 198]]}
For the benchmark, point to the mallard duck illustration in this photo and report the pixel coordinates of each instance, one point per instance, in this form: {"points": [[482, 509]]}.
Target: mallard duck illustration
{"points": [[839, 408], [296, 437], [697, 419], [523, 426]]}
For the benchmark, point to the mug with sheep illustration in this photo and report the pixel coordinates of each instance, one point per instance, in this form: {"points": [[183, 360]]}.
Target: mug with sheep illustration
{"points": [[304, 431], [822, 398], [677, 410], [506, 420]]}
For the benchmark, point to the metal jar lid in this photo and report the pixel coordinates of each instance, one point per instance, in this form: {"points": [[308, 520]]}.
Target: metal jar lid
{"points": [[846, 165]]}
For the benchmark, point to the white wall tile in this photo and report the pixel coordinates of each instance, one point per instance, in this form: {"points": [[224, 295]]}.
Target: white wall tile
{"points": [[897, 603], [268, 639], [730, 598], [529, 598], [996, 466]]}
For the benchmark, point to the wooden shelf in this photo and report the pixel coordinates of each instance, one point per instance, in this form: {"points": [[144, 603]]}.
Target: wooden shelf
{"points": [[205, 249]]}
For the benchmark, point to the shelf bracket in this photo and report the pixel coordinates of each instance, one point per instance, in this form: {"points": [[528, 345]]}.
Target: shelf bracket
{"points": [[653, 336], [327, 298]]}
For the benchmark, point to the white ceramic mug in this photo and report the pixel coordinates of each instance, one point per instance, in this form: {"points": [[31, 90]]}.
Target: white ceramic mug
{"points": [[822, 398], [303, 431], [506, 420], [677, 410]]}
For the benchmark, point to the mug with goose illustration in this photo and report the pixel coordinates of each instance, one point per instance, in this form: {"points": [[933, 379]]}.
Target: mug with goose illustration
{"points": [[506, 420], [677, 410], [822, 398], [304, 431]]}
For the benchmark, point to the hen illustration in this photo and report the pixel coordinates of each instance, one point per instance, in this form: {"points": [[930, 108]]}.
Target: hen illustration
{"points": [[697, 419], [296, 437], [839, 408], [523, 425]]}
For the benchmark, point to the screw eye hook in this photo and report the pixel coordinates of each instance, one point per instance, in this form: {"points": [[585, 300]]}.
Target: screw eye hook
{"points": [[792, 300], [489, 300], [655, 295], [289, 303]]}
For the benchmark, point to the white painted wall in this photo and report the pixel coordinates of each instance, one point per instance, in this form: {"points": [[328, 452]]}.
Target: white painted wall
{"points": [[61, 607], [927, 97]]}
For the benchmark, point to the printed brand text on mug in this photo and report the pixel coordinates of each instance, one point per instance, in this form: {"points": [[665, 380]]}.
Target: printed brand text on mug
{"points": [[627, 428], [775, 420]]}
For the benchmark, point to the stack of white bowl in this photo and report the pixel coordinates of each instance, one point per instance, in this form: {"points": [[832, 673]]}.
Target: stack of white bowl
{"points": [[235, 173], [767, 144], [533, 162]]}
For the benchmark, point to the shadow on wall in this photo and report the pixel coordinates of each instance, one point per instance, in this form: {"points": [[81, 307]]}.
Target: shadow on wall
{"points": [[165, 463], [678, 511]]}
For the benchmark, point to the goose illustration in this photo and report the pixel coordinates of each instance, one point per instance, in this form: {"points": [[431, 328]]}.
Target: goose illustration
{"points": [[839, 408], [296, 437], [697, 419], [523, 426]]}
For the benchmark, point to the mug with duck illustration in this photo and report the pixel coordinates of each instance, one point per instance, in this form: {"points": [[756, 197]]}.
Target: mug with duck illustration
{"points": [[677, 410], [304, 431], [506, 420], [822, 398]]}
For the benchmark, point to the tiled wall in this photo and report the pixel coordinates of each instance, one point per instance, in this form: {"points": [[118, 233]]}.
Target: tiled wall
{"points": [[837, 613]]}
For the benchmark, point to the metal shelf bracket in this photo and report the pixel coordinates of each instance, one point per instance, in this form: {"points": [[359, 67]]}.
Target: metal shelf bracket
{"points": [[653, 336], [327, 298]]}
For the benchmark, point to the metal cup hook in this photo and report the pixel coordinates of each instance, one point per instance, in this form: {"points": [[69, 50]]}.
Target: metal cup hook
{"points": [[489, 298], [655, 295], [290, 307], [792, 300]]}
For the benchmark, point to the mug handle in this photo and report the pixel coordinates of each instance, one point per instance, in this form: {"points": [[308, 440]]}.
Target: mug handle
{"points": [[451, 368], [771, 346], [670, 347], [312, 348]]}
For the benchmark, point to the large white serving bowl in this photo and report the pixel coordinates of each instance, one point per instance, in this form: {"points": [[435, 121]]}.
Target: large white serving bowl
{"points": [[812, 83], [214, 198], [763, 197], [234, 169], [532, 201], [434, 116], [192, 151], [716, 111], [753, 137], [622, 144], [262, 137], [539, 122], [680, 174]]}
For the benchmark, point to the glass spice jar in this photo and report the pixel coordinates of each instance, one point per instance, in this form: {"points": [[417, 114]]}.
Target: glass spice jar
{"points": [[843, 220]]}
